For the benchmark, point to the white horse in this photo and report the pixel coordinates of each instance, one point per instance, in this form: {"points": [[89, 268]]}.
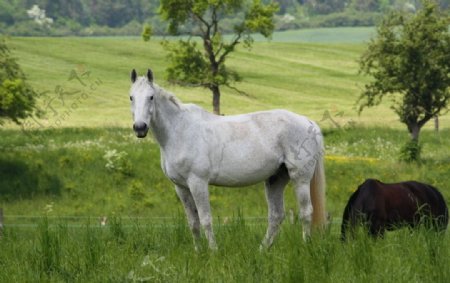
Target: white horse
{"points": [[199, 148]]}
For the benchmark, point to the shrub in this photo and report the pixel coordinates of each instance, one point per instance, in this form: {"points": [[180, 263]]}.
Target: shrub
{"points": [[410, 152]]}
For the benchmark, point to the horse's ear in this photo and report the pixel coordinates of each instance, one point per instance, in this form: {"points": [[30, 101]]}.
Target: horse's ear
{"points": [[150, 75], [133, 76]]}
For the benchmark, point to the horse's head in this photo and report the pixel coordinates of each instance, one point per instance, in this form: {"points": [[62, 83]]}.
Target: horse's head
{"points": [[142, 102]]}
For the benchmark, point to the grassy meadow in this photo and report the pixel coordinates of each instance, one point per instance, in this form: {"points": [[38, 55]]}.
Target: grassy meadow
{"points": [[138, 252], [307, 78], [98, 172], [60, 174]]}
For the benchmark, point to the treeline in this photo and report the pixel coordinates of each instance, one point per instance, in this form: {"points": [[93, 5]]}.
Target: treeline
{"points": [[295, 14], [77, 17], [126, 17]]}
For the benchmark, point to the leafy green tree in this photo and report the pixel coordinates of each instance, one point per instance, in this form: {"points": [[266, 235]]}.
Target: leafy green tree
{"points": [[286, 6], [6, 13], [147, 32], [17, 98], [409, 60], [323, 7], [365, 5], [191, 66]]}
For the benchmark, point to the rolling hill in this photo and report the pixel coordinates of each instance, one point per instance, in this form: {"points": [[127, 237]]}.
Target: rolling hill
{"points": [[307, 71]]}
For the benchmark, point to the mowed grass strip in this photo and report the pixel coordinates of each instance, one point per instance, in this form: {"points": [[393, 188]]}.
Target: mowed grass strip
{"points": [[307, 78]]}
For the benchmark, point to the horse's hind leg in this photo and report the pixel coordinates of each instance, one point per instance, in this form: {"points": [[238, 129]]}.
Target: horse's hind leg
{"points": [[274, 193], [191, 212], [302, 192]]}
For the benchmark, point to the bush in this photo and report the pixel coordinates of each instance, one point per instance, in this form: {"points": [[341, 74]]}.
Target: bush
{"points": [[410, 152], [17, 97], [147, 32]]}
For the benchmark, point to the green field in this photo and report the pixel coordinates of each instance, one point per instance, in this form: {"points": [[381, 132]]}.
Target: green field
{"points": [[139, 252], [96, 172], [60, 174], [307, 78], [324, 35], [56, 185]]}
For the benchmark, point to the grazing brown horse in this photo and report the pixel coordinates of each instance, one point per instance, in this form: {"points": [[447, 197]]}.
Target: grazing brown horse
{"points": [[384, 207]]}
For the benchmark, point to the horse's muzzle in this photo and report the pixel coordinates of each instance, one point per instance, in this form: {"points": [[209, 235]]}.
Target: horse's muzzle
{"points": [[141, 129]]}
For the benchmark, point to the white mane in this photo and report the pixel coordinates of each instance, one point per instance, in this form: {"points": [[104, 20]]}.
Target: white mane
{"points": [[142, 83], [182, 106], [193, 108], [169, 96]]}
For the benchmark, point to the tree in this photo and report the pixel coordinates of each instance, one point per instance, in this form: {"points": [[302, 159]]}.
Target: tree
{"points": [[147, 32], [190, 66], [365, 5], [17, 98], [323, 7], [409, 60]]}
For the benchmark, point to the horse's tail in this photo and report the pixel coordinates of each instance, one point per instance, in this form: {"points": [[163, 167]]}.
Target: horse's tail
{"points": [[317, 191]]}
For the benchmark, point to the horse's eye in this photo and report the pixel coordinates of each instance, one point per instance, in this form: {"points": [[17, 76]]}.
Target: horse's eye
{"points": [[131, 98], [151, 97]]}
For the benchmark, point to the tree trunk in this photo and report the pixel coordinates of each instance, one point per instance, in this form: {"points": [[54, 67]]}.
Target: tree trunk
{"points": [[436, 123], [414, 131], [214, 68], [216, 99], [1, 222]]}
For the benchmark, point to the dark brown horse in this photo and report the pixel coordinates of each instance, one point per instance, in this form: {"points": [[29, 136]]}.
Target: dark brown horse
{"points": [[384, 207]]}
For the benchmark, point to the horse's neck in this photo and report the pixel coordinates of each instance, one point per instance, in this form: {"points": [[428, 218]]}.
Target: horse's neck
{"points": [[166, 120]]}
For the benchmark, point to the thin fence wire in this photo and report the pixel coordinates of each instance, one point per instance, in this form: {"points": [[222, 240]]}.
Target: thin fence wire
{"points": [[32, 221]]}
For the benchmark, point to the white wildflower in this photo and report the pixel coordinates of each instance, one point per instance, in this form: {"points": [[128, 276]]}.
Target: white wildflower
{"points": [[49, 208], [38, 15], [287, 18], [114, 159]]}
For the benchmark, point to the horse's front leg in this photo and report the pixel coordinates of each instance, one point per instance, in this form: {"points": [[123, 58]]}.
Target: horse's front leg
{"points": [[191, 212], [200, 194]]}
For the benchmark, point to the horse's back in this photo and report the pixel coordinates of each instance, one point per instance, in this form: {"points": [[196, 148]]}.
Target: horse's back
{"points": [[291, 136], [270, 119], [407, 198], [389, 205], [248, 148]]}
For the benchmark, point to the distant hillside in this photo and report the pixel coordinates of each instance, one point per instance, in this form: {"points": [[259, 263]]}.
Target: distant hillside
{"points": [[307, 78], [127, 17]]}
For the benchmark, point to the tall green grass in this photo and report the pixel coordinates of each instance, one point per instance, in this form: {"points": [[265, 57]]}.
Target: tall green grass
{"points": [[55, 252]]}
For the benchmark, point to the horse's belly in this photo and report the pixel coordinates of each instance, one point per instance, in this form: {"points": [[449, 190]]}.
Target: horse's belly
{"points": [[244, 172]]}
